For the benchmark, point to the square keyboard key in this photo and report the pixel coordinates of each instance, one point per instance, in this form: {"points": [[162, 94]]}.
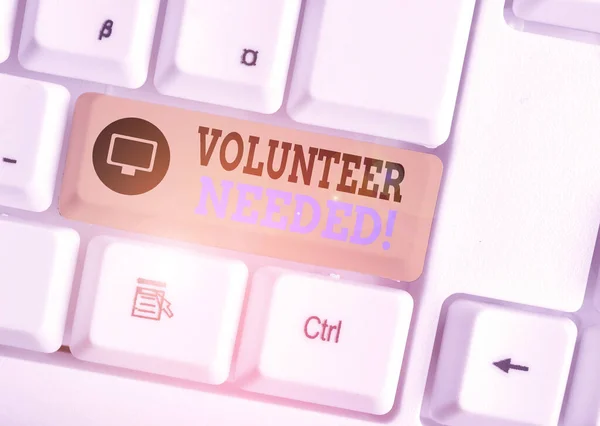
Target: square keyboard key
{"points": [[158, 310], [33, 116], [501, 366], [324, 341], [105, 41], [387, 68], [37, 263], [225, 53], [8, 11]]}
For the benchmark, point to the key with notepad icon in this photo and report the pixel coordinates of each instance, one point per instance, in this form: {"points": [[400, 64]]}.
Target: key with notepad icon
{"points": [[122, 314]]}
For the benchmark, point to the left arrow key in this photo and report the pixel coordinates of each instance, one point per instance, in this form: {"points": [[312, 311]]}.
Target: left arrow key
{"points": [[474, 384]]}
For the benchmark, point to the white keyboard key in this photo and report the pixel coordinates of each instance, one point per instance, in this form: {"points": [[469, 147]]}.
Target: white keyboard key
{"points": [[387, 68], [228, 53], [108, 41], [576, 14], [501, 366], [58, 391], [37, 264], [8, 12], [324, 341], [159, 310], [32, 125]]}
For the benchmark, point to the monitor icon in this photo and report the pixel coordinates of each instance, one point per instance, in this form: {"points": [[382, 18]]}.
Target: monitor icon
{"points": [[131, 154]]}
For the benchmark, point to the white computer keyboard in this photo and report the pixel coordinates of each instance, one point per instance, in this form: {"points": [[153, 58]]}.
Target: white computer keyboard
{"points": [[286, 212]]}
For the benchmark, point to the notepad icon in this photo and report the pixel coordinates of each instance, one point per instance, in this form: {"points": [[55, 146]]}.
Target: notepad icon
{"points": [[149, 301]]}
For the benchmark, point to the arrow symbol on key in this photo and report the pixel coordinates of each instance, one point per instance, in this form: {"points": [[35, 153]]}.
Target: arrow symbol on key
{"points": [[506, 365]]}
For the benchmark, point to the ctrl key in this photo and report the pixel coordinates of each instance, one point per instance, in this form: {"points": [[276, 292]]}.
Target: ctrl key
{"points": [[324, 341]]}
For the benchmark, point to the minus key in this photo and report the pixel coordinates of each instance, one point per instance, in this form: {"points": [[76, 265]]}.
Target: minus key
{"points": [[9, 160]]}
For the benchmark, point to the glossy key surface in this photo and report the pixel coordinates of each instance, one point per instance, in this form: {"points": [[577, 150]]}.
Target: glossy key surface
{"points": [[250, 187]]}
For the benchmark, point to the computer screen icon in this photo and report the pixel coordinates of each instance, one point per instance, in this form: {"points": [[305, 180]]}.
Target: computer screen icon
{"points": [[131, 154]]}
